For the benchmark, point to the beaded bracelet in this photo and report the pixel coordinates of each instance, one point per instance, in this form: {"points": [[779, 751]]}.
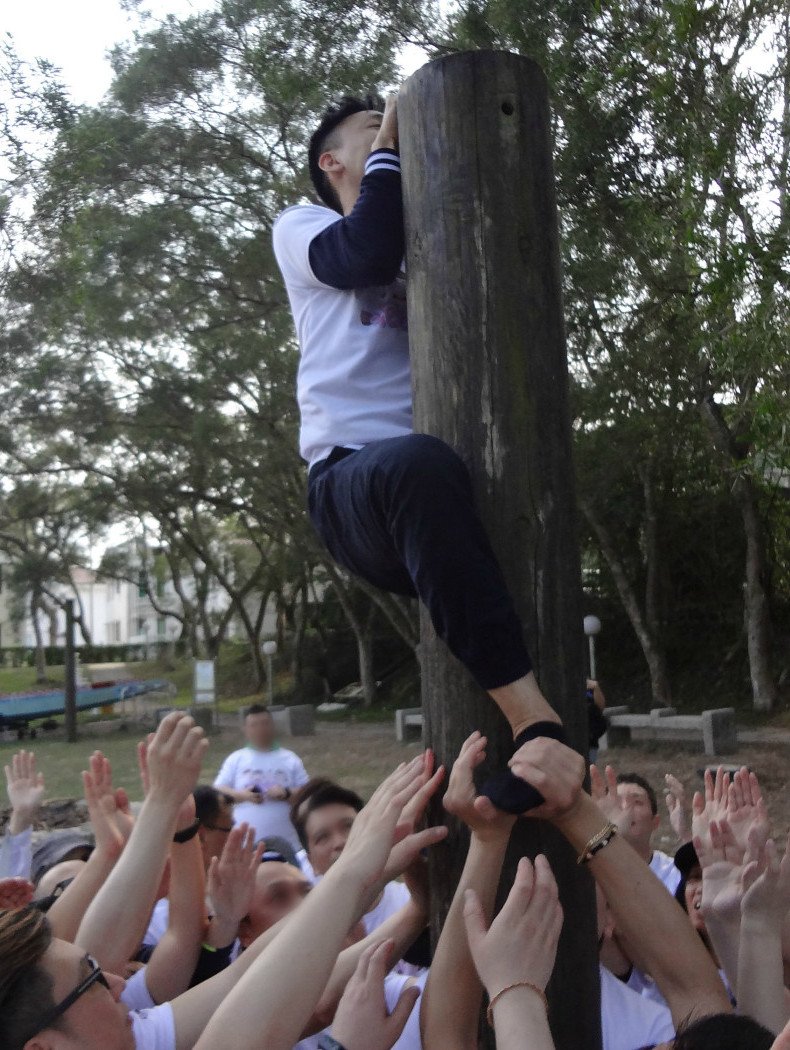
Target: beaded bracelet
{"points": [[597, 843], [508, 988]]}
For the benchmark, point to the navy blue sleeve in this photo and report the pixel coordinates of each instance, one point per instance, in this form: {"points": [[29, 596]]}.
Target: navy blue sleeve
{"points": [[365, 248]]}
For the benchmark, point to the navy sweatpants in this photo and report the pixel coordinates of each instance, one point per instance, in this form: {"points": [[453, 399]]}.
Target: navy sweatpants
{"points": [[400, 514]]}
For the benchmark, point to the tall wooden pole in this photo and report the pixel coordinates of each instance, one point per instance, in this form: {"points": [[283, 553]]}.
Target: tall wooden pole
{"points": [[70, 706], [490, 378]]}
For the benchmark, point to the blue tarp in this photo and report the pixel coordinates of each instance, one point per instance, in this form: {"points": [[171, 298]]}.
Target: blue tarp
{"points": [[26, 706]]}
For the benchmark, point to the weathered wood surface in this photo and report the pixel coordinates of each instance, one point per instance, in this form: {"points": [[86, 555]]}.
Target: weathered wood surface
{"points": [[490, 378]]}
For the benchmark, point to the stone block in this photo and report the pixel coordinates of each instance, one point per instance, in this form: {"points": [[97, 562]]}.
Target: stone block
{"points": [[719, 732]]}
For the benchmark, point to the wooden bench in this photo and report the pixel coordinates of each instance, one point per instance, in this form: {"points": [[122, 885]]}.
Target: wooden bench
{"points": [[407, 720], [714, 729]]}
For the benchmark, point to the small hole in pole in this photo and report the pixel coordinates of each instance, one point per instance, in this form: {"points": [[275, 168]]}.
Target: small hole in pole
{"points": [[508, 108]]}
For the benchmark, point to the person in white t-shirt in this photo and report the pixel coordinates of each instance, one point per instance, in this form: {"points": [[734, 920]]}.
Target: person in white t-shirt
{"points": [[637, 794], [616, 793], [323, 814], [261, 778]]}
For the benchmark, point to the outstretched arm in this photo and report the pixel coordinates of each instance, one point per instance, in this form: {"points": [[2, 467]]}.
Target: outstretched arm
{"points": [[761, 990], [195, 1008], [25, 792], [643, 910], [362, 1021], [268, 1007], [112, 825], [451, 1002], [175, 957], [365, 248], [115, 921], [516, 955]]}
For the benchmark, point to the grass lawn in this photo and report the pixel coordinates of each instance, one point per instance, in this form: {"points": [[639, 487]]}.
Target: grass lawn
{"points": [[23, 679], [358, 755], [61, 762]]}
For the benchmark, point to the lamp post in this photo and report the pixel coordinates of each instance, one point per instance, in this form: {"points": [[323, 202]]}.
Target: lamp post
{"points": [[592, 626], [269, 649]]}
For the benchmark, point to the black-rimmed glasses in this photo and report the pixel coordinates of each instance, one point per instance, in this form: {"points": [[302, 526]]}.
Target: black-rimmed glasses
{"points": [[57, 1011]]}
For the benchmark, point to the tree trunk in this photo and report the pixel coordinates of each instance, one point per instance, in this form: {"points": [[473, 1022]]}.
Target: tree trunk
{"points": [[402, 613], [757, 609], [651, 646], [756, 601], [653, 615], [365, 656], [300, 625], [79, 618], [362, 629], [41, 656], [490, 378]]}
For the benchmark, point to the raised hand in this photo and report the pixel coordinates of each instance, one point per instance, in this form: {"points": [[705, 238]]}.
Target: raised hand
{"points": [[461, 798], [25, 790], [603, 789], [102, 807], [15, 893], [712, 805], [113, 801], [379, 826], [747, 814], [186, 814], [555, 770], [231, 883], [414, 812], [405, 854], [362, 1021], [387, 136], [521, 944], [675, 798], [173, 757], [766, 881], [721, 860]]}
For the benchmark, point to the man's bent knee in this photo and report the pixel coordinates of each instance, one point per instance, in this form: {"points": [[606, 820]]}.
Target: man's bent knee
{"points": [[422, 458]]}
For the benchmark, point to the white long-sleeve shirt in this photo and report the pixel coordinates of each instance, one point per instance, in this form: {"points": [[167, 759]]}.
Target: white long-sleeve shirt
{"points": [[16, 855]]}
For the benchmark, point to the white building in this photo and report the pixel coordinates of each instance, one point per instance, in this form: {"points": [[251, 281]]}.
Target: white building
{"points": [[119, 611]]}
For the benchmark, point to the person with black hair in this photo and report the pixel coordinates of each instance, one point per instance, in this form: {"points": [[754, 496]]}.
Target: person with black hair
{"points": [[616, 793], [721, 1032], [391, 506], [323, 819]]}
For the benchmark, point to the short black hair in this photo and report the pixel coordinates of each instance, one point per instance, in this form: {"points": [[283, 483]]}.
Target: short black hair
{"points": [[26, 988], [326, 795], [207, 800], [333, 116], [257, 709], [636, 778], [723, 1032]]}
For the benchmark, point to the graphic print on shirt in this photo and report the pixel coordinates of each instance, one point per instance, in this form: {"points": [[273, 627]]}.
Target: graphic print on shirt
{"points": [[385, 305], [252, 778]]}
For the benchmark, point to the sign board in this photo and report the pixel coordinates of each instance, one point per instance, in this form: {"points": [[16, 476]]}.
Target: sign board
{"points": [[204, 682]]}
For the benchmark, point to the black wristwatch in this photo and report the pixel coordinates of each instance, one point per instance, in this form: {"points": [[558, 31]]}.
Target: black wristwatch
{"points": [[187, 833], [326, 1042]]}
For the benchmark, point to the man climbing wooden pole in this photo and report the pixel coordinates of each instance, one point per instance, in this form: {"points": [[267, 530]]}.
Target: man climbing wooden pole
{"points": [[402, 509], [490, 378]]}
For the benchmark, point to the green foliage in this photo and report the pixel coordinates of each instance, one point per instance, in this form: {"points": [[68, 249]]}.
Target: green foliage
{"points": [[147, 341]]}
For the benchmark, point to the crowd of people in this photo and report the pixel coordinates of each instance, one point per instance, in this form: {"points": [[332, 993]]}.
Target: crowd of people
{"points": [[275, 911], [179, 925]]}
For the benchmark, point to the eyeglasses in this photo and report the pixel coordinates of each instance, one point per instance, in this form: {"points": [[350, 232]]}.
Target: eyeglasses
{"points": [[65, 1004]]}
